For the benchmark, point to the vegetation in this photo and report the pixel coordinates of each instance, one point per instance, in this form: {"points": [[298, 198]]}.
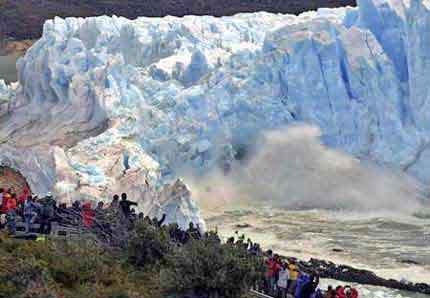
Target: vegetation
{"points": [[150, 265], [218, 270], [69, 269]]}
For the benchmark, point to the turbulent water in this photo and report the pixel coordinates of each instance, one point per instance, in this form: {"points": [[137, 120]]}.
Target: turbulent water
{"points": [[384, 243]]}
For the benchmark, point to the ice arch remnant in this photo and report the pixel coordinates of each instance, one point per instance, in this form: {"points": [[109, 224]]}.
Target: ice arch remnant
{"points": [[113, 102], [10, 178]]}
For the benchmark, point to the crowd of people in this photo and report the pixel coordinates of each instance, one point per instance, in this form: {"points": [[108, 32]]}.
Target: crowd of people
{"points": [[32, 210], [282, 277]]}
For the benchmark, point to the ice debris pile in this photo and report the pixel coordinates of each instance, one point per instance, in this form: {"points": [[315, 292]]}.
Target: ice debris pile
{"points": [[110, 103]]}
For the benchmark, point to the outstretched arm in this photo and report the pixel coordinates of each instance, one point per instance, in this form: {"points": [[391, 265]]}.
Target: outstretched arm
{"points": [[161, 221]]}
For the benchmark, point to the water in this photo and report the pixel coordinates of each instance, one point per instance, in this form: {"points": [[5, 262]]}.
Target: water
{"points": [[392, 245], [8, 70]]}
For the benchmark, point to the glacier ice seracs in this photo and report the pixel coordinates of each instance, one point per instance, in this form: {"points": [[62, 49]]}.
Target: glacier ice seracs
{"points": [[107, 103]]}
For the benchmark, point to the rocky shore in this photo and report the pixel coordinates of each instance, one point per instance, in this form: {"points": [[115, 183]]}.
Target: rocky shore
{"points": [[345, 273]]}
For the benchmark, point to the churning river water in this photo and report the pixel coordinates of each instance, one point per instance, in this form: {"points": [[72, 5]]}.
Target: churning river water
{"points": [[391, 245]]}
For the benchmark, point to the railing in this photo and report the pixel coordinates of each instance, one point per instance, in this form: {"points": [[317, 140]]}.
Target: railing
{"points": [[256, 294]]}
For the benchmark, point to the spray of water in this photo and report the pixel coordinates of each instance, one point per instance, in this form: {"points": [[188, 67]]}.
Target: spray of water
{"points": [[291, 168]]}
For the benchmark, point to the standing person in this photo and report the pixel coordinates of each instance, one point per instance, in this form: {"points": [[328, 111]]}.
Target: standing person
{"points": [[100, 213], [30, 213], [350, 292], [1, 199], [87, 215], [115, 202], [294, 274], [125, 205], [5, 197], [354, 293], [11, 212], [193, 232], [24, 196], [273, 268], [330, 293], [284, 276], [340, 292], [310, 287], [63, 214], [47, 211]]}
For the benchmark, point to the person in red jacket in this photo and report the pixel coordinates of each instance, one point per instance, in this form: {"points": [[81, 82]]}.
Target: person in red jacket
{"points": [[340, 292], [351, 292], [354, 293], [87, 215], [23, 197], [273, 267]]}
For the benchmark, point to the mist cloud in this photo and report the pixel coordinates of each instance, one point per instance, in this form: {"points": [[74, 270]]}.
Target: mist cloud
{"points": [[291, 168]]}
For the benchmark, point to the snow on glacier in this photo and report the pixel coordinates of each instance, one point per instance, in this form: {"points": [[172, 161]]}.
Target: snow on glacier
{"points": [[168, 92]]}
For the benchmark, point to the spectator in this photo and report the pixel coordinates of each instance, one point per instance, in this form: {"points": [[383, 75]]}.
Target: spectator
{"points": [[47, 211], [88, 215], [24, 196], [11, 207], [193, 232], [310, 287], [294, 274], [273, 268], [115, 202], [64, 214], [30, 213], [330, 293], [5, 198], [1, 198], [125, 205], [100, 213], [284, 276], [340, 292]]}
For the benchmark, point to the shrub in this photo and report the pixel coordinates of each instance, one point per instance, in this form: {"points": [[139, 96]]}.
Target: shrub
{"points": [[68, 269], [148, 245], [211, 269]]}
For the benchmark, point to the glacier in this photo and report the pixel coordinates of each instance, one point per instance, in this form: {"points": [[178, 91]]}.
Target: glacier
{"points": [[106, 104]]}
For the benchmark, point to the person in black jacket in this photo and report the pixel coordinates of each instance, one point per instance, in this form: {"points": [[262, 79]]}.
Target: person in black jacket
{"points": [[125, 205]]}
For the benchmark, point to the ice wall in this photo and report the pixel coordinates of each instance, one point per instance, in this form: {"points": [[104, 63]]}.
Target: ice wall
{"points": [[118, 97]]}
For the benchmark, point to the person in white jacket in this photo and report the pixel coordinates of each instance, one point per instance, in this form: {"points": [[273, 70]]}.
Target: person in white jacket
{"points": [[284, 276]]}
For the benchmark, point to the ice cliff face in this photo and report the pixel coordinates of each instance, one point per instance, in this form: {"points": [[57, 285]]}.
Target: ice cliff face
{"points": [[105, 104]]}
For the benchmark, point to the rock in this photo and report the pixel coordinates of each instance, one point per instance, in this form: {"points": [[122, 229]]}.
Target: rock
{"points": [[337, 250], [243, 226], [349, 274], [412, 262]]}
